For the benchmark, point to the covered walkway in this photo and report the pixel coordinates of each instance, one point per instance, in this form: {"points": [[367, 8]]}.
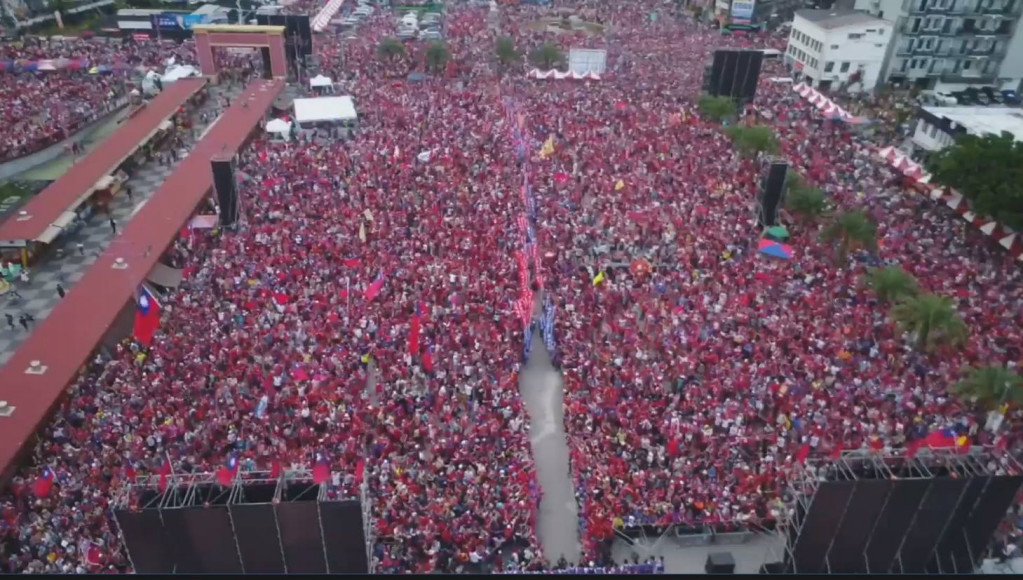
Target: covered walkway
{"points": [[39, 372]]}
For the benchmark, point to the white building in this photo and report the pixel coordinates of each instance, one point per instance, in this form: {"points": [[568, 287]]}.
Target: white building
{"points": [[838, 49], [953, 44], [938, 127]]}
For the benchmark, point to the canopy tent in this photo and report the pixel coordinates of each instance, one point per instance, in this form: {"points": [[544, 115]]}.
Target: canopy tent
{"points": [[320, 81], [558, 75], [783, 251], [1006, 236], [176, 72], [279, 126], [777, 232], [826, 106], [325, 109]]}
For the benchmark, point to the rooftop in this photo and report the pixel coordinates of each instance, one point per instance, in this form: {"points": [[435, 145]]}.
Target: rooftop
{"points": [[983, 120], [838, 18]]}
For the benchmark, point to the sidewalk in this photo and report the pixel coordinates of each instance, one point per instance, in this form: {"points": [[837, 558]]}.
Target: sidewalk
{"points": [[39, 296]]}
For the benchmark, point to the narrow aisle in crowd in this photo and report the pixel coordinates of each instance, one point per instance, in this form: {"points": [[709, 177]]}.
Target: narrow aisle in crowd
{"points": [[543, 393]]}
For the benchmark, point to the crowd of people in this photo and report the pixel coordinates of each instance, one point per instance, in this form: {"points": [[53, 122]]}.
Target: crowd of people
{"points": [[364, 311], [41, 107]]}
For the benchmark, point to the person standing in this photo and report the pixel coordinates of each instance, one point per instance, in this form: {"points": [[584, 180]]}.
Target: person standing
{"points": [[10, 320], [60, 291], [113, 226], [23, 322]]}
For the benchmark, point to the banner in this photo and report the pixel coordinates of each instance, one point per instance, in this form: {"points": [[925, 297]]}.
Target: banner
{"points": [[742, 11]]}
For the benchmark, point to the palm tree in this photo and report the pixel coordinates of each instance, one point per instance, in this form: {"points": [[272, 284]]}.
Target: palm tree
{"points": [[507, 54], [751, 141], [932, 318], [806, 202], [717, 108], [990, 386], [437, 56], [390, 49], [851, 230], [892, 283], [546, 56]]}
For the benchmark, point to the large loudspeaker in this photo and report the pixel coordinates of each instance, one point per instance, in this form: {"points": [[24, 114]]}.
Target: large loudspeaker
{"points": [[344, 537], [255, 527], [720, 563], [846, 553], [772, 192], [226, 186], [298, 37], [936, 509], [735, 73], [826, 514], [146, 541]]}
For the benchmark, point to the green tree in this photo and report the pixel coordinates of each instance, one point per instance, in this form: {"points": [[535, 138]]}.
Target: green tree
{"points": [[717, 109], [892, 283], [850, 230], [990, 387], [751, 141], [437, 56], [507, 54], [546, 56], [988, 171], [390, 49], [933, 319], [806, 202]]}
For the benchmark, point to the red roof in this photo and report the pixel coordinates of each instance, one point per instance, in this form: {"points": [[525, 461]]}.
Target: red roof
{"points": [[67, 337], [62, 194]]}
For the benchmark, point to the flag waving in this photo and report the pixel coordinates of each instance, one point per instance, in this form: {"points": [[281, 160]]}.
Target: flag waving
{"points": [[374, 288], [321, 471], [227, 473], [147, 316], [413, 337], [44, 484]]}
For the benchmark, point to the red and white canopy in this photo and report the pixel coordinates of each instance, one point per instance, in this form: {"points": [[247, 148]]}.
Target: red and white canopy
{"points": [[558, 75], [825, 105], [1006, 236]]}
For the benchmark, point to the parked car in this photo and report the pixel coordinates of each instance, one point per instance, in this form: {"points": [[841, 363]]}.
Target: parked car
{"points": [[1011, 97], [939, 98], [430, 35], [993, 94]]}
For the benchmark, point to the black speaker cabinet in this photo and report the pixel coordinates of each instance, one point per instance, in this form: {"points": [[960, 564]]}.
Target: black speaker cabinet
{"points": [[225, 185], [773, 568], [720, 563], [735, 73], [773, 192]]}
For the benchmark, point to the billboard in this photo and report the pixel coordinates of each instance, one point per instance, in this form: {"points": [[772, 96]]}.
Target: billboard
{"points": [[174, 21], [742, 11]]}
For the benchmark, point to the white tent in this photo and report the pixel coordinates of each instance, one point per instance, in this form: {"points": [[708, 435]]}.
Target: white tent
{"points": [[278, 126], [173, 73], [320, 81], [325, 109]]}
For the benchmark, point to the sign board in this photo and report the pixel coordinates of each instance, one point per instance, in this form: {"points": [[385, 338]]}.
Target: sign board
{"points": [[587, 60], [170, 21], [742, 11]]}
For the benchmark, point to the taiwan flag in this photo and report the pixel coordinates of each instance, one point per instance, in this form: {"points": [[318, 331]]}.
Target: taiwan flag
{"points": [[45, 483], [147, 316], [374, 288], [227, 473], [321, 471]]}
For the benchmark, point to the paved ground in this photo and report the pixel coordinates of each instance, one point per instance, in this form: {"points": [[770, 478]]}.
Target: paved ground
{"points": [[91, 139], [543, 394], [40, 294], [683, 559]]}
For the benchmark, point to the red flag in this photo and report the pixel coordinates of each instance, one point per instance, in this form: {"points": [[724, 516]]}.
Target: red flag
{"points": [[876, 444], [560, 177], [129, 473], [147, 316], [275, 468], [837, 451], [802, 454], [164, 471], [44, 484], [360, 469], [226, 473], [352, 263], [374, 288], [321, 471]]}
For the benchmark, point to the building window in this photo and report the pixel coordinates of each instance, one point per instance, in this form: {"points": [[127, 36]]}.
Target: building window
{"points": [[829, 66], [844, 68], [834, 47], [855, 35]]}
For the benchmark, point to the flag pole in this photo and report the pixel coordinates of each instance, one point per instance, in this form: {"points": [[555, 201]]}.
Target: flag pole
{"points": [[348, 296]]}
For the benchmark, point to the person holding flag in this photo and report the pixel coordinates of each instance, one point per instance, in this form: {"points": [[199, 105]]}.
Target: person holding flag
{"points": [[147, 316]]}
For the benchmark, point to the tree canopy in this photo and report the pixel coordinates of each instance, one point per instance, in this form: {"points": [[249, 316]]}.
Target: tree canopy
{"points": [[507, 54], [851, 230], [717, 109], [437, 56], [806, 202], [751, 141], [546, 56], [390, 49], [933, 319], [990, 386], [988, 171], [892, 283]]}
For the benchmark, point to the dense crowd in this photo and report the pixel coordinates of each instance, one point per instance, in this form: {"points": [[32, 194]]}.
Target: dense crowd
{"points": [[364, 311], [40, 108]]}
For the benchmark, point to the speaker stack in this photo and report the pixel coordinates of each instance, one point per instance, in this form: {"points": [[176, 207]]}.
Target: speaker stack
{"points": [[772, 192], [734, 74], [226, 186], [720, 563]]}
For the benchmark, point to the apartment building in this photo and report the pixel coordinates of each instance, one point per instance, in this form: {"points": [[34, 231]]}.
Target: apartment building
{"points": [[951, 44], [838, 49]]}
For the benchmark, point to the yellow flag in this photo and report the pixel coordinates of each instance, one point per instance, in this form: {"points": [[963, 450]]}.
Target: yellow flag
{"points": [[598, 278], [620, 185], [548, 148]]}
